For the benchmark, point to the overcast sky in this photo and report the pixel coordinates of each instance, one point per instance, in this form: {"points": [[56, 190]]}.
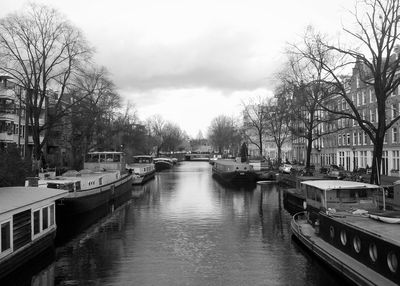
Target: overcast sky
{"points": [[190, 61]]}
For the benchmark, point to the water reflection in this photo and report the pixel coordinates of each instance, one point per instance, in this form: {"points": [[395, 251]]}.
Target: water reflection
{"points": [[185, 228]]}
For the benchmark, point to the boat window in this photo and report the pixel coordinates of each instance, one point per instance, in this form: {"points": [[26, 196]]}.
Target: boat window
{"points": [[313, 193], [45, 218], [357, 244], [392, 261], [343, 237], [373, 252], [332, 232], [36, 222], [117, 157], [78, 186], [5, 236], [100, 181], [102, 157], [52, 214], [109, 157]]}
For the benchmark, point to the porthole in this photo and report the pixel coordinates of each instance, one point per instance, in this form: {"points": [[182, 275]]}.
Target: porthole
{"points": [[343, 237], [357, 244], [237, 168], [373, 252], [392, 261], [331, 232]]}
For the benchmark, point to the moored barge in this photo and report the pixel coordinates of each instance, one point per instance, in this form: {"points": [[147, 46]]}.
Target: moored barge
{"points": [[143, 167], [27, 224], [339, 226], [104, 179], [234, 172]]}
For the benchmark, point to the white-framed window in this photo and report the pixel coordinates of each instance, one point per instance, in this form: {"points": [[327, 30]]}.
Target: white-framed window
{"points": [[43, 219], [343, 139], [6, 242], [365, 138], [348, 138], [372, 115], [354, 138], [359, 99], [385, 139], [359, 138], [371, 96], [394, 111], [395, 135], [364, 97], [396, 159]]}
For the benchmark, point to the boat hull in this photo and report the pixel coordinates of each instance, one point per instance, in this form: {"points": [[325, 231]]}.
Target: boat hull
{"points": [[163, 165], [9, 263], [143, 178], [235, 178], [356, 267], [87, 200]]}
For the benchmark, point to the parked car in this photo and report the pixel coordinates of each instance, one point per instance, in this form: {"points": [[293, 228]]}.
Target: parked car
{"points": [[285, 168]]}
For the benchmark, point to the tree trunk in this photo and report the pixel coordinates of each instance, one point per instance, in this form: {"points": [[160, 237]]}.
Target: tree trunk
{"points": [[376, 161], [261, 147]]}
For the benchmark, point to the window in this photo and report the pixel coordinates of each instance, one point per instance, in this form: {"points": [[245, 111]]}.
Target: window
{"points": [[365, 138], [385, 139], [371, 96], [394, 135], [359, 100], [359, 138], [354, 138], [339, 140], [372, 114], [348, 138], [43, 219], [364, 97], [36, 222], [5, 236], [394, 111]]}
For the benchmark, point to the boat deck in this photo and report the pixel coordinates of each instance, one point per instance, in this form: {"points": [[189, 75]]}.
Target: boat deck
{"points": [[364, 223], [337, 258]]}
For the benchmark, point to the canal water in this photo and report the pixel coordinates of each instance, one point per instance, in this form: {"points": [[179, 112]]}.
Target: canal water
{"points": [[185, 228]]}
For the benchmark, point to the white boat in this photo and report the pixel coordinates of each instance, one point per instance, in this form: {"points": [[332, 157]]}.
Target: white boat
{"points": [[103, 179], [143, 167], [337, 228], [27, 224]]}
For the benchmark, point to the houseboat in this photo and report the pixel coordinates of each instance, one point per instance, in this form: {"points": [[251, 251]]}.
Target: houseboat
{"points": [[342, 227], [103, 179], [163, 163], [27, 224], [143, 167], [233, 172]]}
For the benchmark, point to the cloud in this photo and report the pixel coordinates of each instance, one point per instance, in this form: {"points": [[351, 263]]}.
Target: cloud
{"points": [[224, 59]]}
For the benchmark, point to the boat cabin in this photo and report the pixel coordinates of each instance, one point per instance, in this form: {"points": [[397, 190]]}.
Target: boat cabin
{"points": [[27, 223], [143, 159], [103, 161], [339, 196]]}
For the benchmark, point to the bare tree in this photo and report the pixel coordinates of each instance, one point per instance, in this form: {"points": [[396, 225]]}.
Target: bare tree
{"points": [[376, 65], [254, 122], [223, 133], [278, 118], [305, 80], [41, 50]]}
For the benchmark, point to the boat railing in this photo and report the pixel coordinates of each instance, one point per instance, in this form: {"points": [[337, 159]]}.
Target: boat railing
{"points": [[297, 217]]}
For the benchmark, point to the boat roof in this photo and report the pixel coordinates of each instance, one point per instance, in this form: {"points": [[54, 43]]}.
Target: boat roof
{"points": [[143, 156], [105, 152], [386, 231], [12, 198], [229, 162], [338, 184]]}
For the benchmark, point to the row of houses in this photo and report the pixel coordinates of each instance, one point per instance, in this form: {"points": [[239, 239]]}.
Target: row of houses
{"points": [[348, 146]]}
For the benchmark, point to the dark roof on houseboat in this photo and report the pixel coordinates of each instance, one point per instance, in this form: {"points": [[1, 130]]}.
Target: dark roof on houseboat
{"points": [[338, 184], [12, 198]]}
